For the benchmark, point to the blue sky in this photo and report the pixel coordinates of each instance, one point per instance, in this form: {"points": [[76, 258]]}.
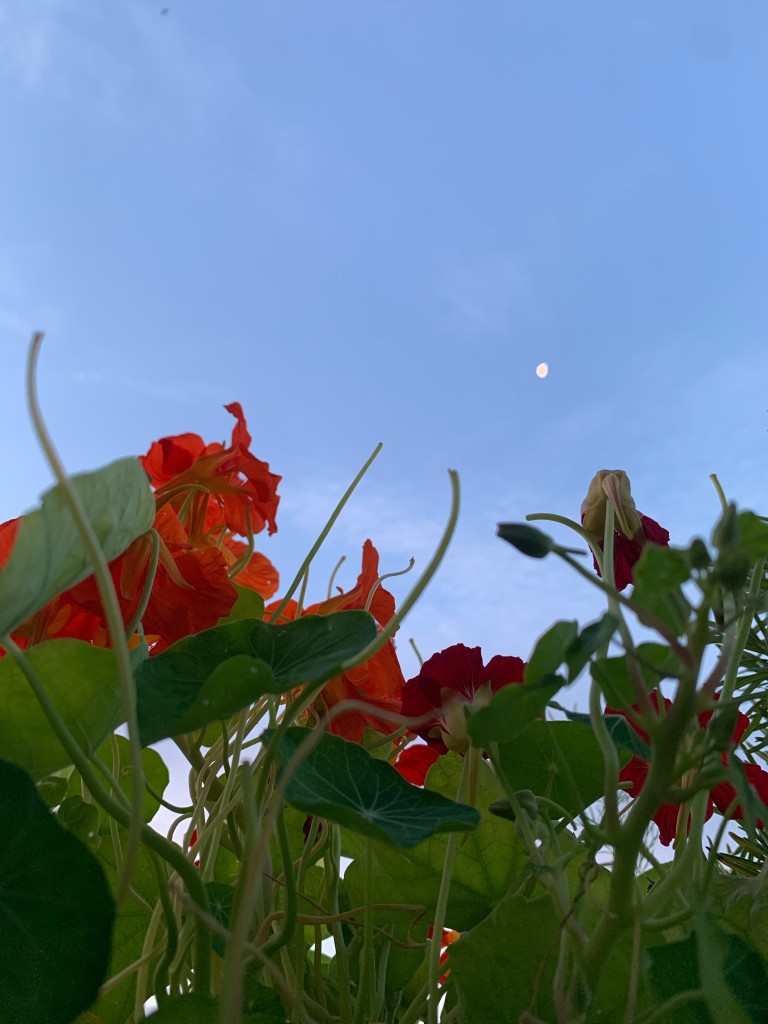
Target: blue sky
{"points": [[371, 221]]}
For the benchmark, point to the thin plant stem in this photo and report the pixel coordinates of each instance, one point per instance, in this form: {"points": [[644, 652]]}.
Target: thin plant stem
{"points": [[433, 972], [112, 614], [323, 534], [366, 986]]}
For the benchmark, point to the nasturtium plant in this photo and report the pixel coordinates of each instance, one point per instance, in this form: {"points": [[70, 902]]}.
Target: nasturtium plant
{"points": [[316, 837]]}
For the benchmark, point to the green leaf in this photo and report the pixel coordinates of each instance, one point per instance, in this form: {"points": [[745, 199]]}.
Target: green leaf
{"points": [[730, 973], [53, 789], [48, 555], [557, 760], [619, 729], [488, 860], [550, 651], [55, 908], [222, 899], [527, 539], [249, 605], [230, 666], [155, 772], [742, 906], [511, 710], [231, 686], [659, 576], [753, 535], [81, 819], [588, 642], [261, 1005], [81, 680], [515, 942], [133, 918], [338, 780], [655, 662]]}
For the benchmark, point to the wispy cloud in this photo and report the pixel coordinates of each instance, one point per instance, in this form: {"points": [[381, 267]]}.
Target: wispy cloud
{"points": [[29, 31], [119, 381], [482, 293]]}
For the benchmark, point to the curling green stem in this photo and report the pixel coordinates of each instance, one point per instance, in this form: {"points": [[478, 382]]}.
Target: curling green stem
{"points": [[161, 975], [291, 906], [323, 534], [153, 538], [421, 584], [112, 614], [231, 998], [720, 492], [332, 863]]}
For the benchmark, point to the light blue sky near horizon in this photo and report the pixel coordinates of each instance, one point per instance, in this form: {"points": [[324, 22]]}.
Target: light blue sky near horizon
{"points": [[371, 222]]}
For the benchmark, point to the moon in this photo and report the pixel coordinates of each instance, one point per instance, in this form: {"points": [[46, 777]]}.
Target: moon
{"points": [[542, 370]]}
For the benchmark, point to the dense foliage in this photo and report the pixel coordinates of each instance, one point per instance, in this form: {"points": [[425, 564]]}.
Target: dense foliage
{"points": [[457, 847]]}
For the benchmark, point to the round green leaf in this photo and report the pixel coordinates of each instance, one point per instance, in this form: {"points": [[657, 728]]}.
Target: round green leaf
{"points": [[155, 772], [338, 780], [515, 941], [81, 680], [56, 911], [81, 819], [510, 711], [214, 674], [486, 862], [558, 760]]}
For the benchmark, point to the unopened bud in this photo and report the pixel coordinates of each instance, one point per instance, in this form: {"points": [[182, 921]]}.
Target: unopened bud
{"points": [[527, 539], [527, 800], [612, 485], [698, 555], [726, 533]]}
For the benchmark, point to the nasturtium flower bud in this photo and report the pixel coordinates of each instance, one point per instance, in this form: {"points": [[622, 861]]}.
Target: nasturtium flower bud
{"points": [[726, 532], [632, 530], [527, 539], [698, 555], [613, 485]]}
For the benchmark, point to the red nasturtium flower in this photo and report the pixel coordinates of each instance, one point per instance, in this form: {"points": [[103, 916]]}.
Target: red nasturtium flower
{"points": [[208, 498], [378, 681], [721, 796], [633, 529], [445, 681]]}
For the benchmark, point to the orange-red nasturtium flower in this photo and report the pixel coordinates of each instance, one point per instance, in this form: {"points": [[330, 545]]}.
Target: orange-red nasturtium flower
{"points": [[721, 796], [445, 682], [378, 681], [208, 498], [633, 529], [61, 617]]}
